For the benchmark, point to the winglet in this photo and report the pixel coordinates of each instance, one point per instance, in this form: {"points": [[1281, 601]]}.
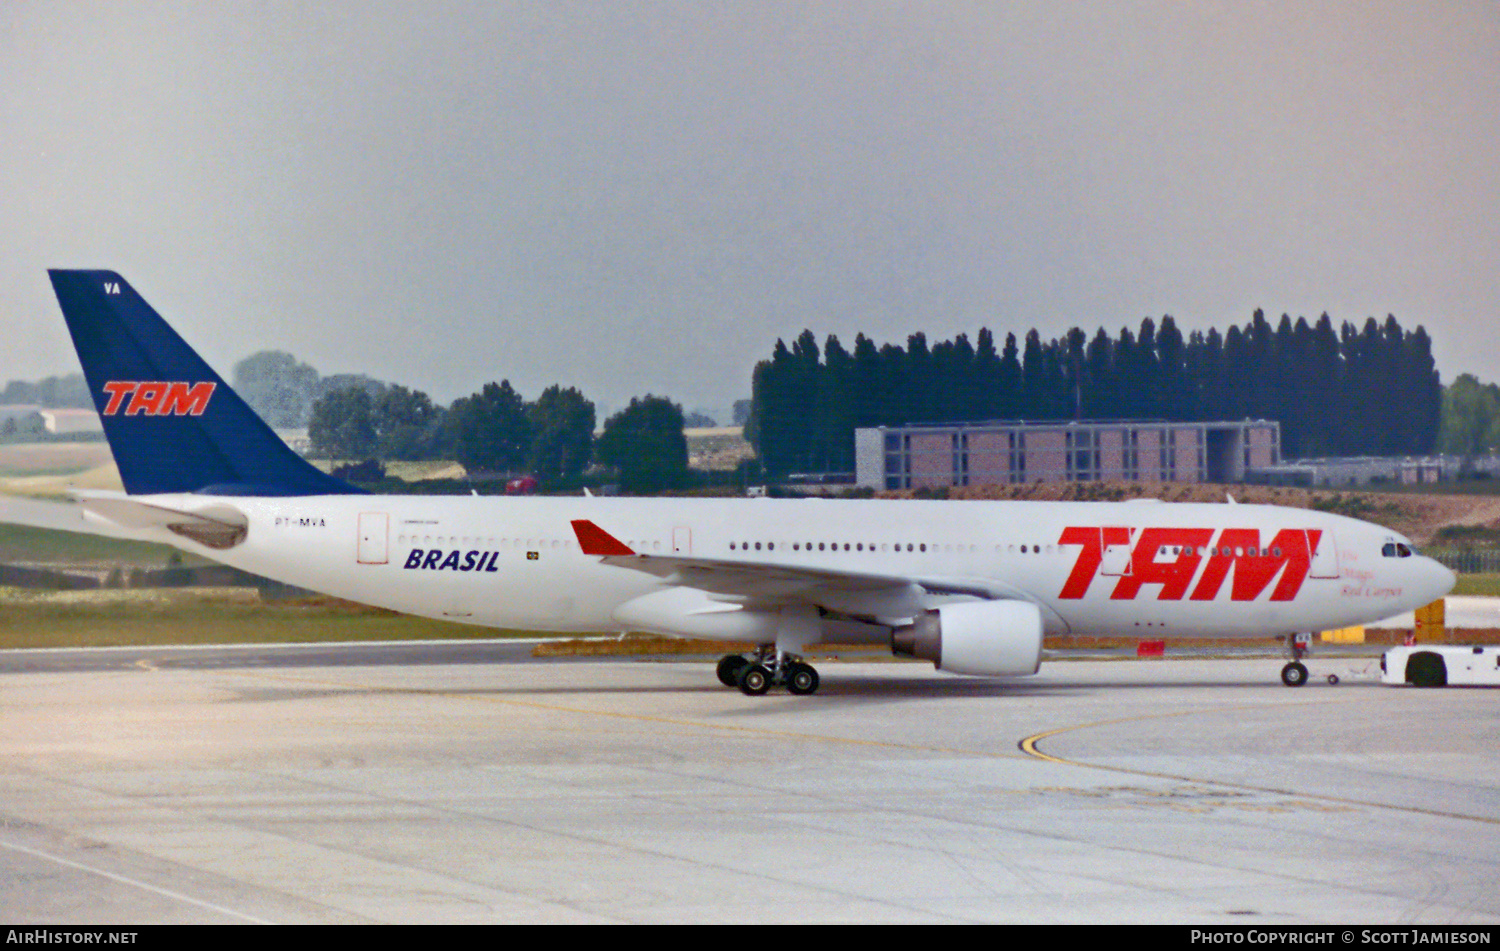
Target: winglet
{"points": [[596, 541]]}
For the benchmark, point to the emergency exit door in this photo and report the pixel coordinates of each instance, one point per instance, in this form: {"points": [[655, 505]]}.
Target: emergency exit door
{"points": [[374, 529]]}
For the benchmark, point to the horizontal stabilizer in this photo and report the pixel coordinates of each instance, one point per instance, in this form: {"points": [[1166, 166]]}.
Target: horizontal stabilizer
{"points": [[57, 517], [216, 525]]}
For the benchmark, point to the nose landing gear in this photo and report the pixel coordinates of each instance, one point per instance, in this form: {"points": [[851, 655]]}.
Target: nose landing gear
{"points": [[1294, 674], [770, 668]]}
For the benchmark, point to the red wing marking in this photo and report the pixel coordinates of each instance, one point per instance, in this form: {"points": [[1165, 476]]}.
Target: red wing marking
{"points": [[596, 541]]}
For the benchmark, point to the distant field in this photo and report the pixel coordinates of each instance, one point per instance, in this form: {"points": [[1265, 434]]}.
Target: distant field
{"points": [[718, 449], [429, 469], [161, 617], [21, 545], [46, 458], [1478, 586], [52, 468]]}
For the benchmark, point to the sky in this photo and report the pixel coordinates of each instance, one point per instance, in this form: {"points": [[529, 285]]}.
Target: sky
{"points": [[639, 198]]}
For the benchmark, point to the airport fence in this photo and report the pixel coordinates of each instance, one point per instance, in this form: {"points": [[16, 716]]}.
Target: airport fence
{"points": [[1467, 561]]}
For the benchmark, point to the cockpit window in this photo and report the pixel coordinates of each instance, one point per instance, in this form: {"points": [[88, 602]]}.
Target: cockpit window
{"points": [[1396, 550]]}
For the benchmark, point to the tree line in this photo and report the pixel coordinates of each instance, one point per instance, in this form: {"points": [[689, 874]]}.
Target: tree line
{"points": [[1471, 418], [1373, 390], [54, 392], [1355, 390], [494, 431], [498, 434]]}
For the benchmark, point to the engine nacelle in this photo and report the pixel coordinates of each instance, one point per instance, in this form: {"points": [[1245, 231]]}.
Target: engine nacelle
{"points": [[988, 638]]}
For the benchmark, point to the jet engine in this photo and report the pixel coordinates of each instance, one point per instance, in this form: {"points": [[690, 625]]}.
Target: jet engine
{"points": [[987, 638]]}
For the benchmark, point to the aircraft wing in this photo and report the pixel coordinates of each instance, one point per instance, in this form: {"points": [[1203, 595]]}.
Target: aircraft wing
{"points": [[760, 583]]}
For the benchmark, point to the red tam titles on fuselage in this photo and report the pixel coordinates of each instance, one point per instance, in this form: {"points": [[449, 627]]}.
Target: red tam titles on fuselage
{"points": [[157, 397], [1171, 558]]}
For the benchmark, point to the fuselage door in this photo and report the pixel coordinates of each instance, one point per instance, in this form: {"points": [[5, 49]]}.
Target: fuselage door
{"points": [[1325, 554], [1116, 559], [374, 536], [682, 541]]}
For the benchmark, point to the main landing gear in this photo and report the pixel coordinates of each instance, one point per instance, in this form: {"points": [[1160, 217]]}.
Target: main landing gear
{"points": [[769, 668]]}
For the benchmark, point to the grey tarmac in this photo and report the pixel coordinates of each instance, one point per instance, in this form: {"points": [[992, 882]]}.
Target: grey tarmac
{"points": [[332, 788]]}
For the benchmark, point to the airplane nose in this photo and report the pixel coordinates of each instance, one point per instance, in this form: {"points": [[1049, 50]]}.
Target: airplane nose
{"points": [[1435, 580]]}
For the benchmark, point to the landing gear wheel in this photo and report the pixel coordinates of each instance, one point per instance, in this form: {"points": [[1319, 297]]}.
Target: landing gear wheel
{"points": [[1294, 674], [730, 666], [1333, 680], [801, 679], [754, 680]]}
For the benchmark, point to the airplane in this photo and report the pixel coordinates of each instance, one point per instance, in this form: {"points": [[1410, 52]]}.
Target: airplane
{"points": [[972, 586]]}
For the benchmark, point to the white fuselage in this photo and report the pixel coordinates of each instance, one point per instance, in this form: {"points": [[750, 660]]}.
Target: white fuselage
{"points": [[1152, 569]]}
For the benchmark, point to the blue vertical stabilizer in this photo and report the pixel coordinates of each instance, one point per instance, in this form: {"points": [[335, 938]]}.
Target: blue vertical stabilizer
{"points": [[173, 424]]}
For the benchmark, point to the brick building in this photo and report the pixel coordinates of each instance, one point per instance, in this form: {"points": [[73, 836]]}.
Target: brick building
{"points": [[1009, 451]]}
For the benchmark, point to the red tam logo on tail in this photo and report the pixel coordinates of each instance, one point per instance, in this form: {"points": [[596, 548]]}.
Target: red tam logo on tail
{"points": [[157, 398]]}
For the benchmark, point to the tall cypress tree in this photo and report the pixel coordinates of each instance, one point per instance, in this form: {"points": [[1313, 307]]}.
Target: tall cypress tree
{"points": [[1011, 375], [1176, 395], [1099, 398], [1320, 384]]}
